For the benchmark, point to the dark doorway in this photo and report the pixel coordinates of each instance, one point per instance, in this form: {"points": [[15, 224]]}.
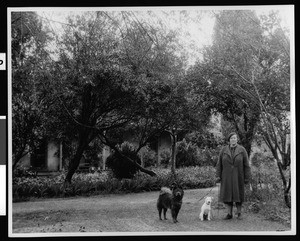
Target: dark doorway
{"points": [[38, 158]]}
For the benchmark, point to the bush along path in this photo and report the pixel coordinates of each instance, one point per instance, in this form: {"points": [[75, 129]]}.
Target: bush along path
{"points": [[134, 212], [26, 188]]}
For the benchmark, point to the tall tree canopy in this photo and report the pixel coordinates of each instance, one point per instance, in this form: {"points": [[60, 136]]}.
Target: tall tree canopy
{"points": [[216, 77], [113, 71], [29, 68], [245, 76]]}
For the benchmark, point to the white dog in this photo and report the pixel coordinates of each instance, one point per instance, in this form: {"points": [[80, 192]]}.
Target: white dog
{"points": [[206, 209]]}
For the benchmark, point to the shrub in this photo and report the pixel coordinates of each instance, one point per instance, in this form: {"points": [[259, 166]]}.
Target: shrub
{"points": [[25, 188], [266, 183], [121, 167], [92, 152], [260, 159], [265, 192], [188, 177], [165, 157], [196, 177], [204, 139], [149, 157], [208, 156], [21, 171], [186, 154]]}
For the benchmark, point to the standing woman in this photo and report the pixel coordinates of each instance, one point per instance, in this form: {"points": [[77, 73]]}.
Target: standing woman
{"points": [[233, 171]]}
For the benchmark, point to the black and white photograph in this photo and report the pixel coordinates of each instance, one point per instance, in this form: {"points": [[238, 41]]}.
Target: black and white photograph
{"points": [[140, 121]]}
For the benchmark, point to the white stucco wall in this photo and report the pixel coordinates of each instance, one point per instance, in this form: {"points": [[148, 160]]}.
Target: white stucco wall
{"points": [[105, 154], [52, 159]]}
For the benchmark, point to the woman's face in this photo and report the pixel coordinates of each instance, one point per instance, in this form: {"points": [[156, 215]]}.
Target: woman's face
{"points": [[233, 140]]}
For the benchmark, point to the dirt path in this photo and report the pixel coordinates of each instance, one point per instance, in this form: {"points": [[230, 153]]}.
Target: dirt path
{"points": [[128, 213]]}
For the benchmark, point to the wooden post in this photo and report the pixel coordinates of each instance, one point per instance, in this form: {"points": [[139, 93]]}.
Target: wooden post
{"points": [[60, 156], [105, 154], [158, 152]]}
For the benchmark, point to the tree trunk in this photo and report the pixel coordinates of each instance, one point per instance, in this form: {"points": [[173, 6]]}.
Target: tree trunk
{"points": [[149, 172], [142, 169], [84, 140], [247, 146], [286, 186], [74, 163], [286, 195]]}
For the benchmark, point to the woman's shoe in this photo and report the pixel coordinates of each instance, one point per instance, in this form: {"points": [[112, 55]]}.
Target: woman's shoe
{"points": [[228, 216], [239, 216]]}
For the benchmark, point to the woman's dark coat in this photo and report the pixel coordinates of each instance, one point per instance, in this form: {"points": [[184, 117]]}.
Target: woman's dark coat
{"points": [[234, 172]]}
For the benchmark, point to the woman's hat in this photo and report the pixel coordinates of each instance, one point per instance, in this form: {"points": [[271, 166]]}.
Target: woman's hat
{"points": [[230, 135]]}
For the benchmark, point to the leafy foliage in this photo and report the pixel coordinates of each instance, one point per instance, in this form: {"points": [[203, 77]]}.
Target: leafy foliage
{"points": [[25, 188], [112, 77], [265, 184], [208, 156], [189, 154], [92, 152], [165, 157], [203, 139], [28, 74], [186, 154], [121, 167], [217, 79], [149, 157]]}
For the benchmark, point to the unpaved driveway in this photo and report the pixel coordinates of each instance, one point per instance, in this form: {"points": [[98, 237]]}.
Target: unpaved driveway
{"points": [[128, 213]]}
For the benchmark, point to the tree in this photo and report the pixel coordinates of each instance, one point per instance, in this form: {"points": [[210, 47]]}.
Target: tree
{"points": [[161, 82], [90, 92], [28, 71], [163, 56], [215, 77], [249, 60], [100, 80], [271, 83], [150, 52]]}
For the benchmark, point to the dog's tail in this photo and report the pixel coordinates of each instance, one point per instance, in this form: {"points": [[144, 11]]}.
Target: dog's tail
{"points": [[165, 190]]}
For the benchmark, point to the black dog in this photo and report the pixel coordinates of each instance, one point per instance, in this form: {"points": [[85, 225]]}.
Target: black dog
{"points": [[172, 199]]}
